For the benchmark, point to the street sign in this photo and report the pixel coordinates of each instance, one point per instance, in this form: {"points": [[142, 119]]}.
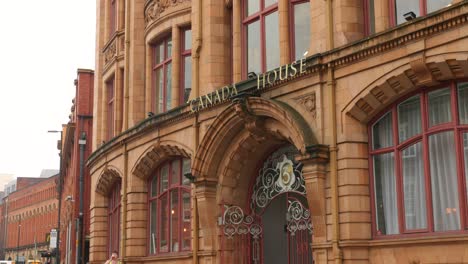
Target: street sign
{"points": [[53, 238]]}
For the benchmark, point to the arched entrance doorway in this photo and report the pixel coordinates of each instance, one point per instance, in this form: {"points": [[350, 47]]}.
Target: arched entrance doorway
{"points": [[276, 228]]}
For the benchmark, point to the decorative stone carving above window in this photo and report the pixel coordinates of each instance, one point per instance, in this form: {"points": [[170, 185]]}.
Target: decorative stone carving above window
{"points": [[308, 101], [154, 9]]}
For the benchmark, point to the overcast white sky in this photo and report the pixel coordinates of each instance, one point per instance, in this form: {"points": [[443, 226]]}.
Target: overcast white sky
{"points": [[42, 44]]}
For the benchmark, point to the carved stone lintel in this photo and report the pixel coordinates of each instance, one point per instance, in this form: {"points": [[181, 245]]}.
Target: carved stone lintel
{"points": [[309, 103]]}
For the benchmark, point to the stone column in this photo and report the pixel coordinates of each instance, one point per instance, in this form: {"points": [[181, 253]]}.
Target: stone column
{"points": [[314, 172], [284, 36], [205, 193], [98, 229]]}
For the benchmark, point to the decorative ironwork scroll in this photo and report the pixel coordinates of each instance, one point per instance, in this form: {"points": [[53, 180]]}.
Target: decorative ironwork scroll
{"points": [[236, 223], [278, 175], [298, 218]]}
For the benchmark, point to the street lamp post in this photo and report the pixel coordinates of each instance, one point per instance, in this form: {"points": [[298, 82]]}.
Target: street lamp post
{"points": [[18, 241], [60, 182]]}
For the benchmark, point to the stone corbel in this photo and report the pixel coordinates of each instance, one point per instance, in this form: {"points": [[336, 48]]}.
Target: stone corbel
{"points": [[420, 69], [254, 124]]}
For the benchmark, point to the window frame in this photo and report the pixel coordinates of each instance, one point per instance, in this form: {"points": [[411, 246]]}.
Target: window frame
{"points": [[260, 16], [184, 53], [156, 66], [110, 90], [158, 197], [292, 28], [397, 147], [113, 214]]}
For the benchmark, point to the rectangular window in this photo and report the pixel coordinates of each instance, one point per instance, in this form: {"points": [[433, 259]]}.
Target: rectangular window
{"points": [[260, 36], [440, 110], [382, 132], [433, 5], [463, 102], [465, 154], [153, 223], [162, 76], [110, 108], [186, 237], [301, 28], [409, 118], [404, 6], [164, 225], [385, 194], [186, 65], [444, 182], [175, 221], [414, 187]]}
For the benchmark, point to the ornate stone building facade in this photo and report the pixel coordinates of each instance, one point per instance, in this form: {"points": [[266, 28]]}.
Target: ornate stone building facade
{"points": [[280, 131]]}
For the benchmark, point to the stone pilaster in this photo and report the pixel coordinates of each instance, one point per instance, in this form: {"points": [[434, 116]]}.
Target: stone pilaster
{"points": [[314, 171], [205, 193]]}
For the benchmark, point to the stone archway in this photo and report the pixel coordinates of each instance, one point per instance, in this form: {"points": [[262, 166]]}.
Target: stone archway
{"points": [[236, 142]]}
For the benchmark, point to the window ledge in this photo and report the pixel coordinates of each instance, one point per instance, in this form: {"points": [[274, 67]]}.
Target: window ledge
{"points": [[429, 239]]}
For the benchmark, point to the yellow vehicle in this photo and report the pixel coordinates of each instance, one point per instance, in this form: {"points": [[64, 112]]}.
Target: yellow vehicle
{"points": [[33, 261]]}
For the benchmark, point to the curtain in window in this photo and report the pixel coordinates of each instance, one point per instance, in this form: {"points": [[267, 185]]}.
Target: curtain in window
{"points": [[385, 193], [382, 132], [414, 191], [409, 118], [439, 107], [465, 152], [444, 181]]}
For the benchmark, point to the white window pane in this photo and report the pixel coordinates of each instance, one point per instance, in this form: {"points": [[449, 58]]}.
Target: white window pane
{"points": [[439, 107], [187, 77], [163, 227], [154, 186], [433, 5], [385, 194], [159, 84], [253, 48], [414, 191], [404, 6], [409, 118], [272, 41], [153, 222], [252, 6], [187, 39], [270, 2], [168, 99], [301, 29], [444, 182], [463, 102], [185, 170], [164, 175], [186, 221], [382, 132], [169, 48]]}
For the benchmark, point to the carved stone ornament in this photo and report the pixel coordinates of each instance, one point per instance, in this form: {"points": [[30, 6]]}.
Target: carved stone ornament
{"points": [[110, 52], [309, 103], [156, 7]]}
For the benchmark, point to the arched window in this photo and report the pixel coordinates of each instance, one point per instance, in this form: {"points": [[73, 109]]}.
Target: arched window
{"points": [[419, 163], [114, 218], [169, 208]]}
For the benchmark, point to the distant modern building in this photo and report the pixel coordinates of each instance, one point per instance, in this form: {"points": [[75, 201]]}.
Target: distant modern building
{"points": [[280, 131]]}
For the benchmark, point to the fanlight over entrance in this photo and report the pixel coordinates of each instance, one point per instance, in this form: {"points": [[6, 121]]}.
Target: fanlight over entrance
{"points": [[277, 228]]}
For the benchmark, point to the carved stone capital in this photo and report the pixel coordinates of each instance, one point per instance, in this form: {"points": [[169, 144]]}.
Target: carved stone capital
{"points": [[317, 153]]}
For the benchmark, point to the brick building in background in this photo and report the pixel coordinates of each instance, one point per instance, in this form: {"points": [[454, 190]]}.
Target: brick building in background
{"points": [[31, 213], [280, 131], [80, 124]]}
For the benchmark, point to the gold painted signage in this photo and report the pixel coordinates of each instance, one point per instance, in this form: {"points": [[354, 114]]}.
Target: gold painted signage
{"points": [[269, 78]]}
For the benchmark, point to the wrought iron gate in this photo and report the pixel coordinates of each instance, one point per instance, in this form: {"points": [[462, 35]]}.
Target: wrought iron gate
{"points": [[243, 235]]}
